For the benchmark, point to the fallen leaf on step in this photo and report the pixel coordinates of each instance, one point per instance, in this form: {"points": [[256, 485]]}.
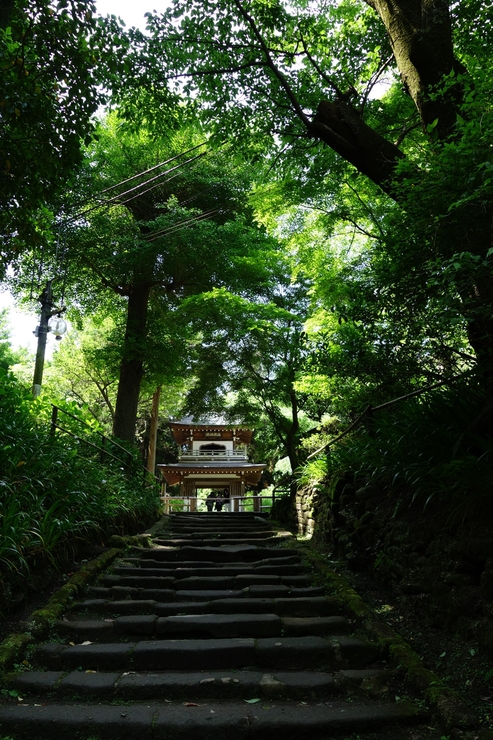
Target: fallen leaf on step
{"points": [[89, 671], [251, 701], [190, 704], [87, 642]]}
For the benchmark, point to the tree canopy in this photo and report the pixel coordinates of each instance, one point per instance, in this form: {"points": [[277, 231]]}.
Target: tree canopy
{"points": [[292, 208]]}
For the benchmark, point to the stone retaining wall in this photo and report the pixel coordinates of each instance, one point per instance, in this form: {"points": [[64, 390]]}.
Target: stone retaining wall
{"points": [[439, 566]]}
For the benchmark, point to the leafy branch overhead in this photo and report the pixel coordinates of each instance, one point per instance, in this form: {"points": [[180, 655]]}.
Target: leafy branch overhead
{"points": [[285, 79]]}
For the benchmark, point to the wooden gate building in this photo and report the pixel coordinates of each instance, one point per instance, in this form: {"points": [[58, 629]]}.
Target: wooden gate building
{"points": [[212, 456]]}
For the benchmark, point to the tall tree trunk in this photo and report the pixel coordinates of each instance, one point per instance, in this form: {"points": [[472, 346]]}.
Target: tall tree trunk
{"points": [[132, 363], [292, 433], [151, 449], [420, 33]]}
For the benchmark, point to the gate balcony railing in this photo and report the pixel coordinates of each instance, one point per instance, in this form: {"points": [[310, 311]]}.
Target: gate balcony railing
{"points": [[207, 455], [262, 503]]}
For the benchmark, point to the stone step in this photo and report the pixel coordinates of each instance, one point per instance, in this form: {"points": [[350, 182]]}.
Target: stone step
{"points": [[201, 516], [213, 554], [219, 534], [211, 541], [162, 594], [301, 607], [163, 561], [182, 625], [242, 684], [212, 528], [154, 567], [288, 653], [200, 625], [212, 631], [152, 578], [214, 522], [201, 593], [181, 721]]}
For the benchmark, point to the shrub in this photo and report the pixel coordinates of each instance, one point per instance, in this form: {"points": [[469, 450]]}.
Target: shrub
{"points": [[424, 448], [50, 492]]}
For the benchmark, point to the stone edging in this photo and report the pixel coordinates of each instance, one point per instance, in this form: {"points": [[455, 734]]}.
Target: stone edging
{"points": [[41, 620], [453, 713]]}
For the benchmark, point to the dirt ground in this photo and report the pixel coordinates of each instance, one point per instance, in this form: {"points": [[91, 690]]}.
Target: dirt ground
{"points": [[459, 662]]}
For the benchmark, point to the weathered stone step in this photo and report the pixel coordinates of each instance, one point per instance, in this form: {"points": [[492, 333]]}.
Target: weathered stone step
{"points": [[225, 531], [206, 684], [214, 522], [222, 554], [210, 542], [276, 563], [220, 534], [287, 653], [203, 515], [200, 625], [154, 567], [152, 578], [162, 594], [301, 607], [201, 593], [182, 625], [235, 721]]}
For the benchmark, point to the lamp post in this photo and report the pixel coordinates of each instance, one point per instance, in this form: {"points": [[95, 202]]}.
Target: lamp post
{"points": [[47, 312]]}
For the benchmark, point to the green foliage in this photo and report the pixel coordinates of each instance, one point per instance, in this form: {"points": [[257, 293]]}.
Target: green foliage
{"points": [[50, 491], [421, 449], [247, 359], [376, 296], [313, 472], [54, 57], [7, 355]]}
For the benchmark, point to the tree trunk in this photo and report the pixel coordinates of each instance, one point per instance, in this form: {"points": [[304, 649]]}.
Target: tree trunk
{"points": [[132, 363], [420, 33], [151, 449], [292, 433], [340, 126]]}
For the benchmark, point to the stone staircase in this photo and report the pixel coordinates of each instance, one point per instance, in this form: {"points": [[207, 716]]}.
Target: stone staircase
{"points": [[214, 632]]}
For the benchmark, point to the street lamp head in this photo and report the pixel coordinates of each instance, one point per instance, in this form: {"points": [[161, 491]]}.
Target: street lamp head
{"points": [[57, 326]]}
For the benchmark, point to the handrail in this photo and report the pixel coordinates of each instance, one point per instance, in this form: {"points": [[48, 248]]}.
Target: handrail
{"points": [[90, 444], [128, 463], [370, 409]]}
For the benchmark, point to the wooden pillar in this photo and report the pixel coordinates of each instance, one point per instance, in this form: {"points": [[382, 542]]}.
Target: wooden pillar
{"points": [[189, 492], [235, 494]]}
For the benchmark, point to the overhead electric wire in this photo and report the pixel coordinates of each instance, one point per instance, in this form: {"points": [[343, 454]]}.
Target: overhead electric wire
{"points": [[114, 199], [152, 179], [172, 229], [155, 167], [129, 179], [156, 185]]}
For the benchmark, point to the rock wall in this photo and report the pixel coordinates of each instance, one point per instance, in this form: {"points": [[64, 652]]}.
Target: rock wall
{"points": [[438, 565]]}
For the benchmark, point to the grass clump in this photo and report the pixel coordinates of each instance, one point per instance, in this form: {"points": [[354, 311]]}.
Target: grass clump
{"points": [[50, 490], [426, 448]]}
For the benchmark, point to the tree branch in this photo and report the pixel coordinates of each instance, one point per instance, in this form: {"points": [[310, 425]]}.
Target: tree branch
{"points": [[273, 67]]}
